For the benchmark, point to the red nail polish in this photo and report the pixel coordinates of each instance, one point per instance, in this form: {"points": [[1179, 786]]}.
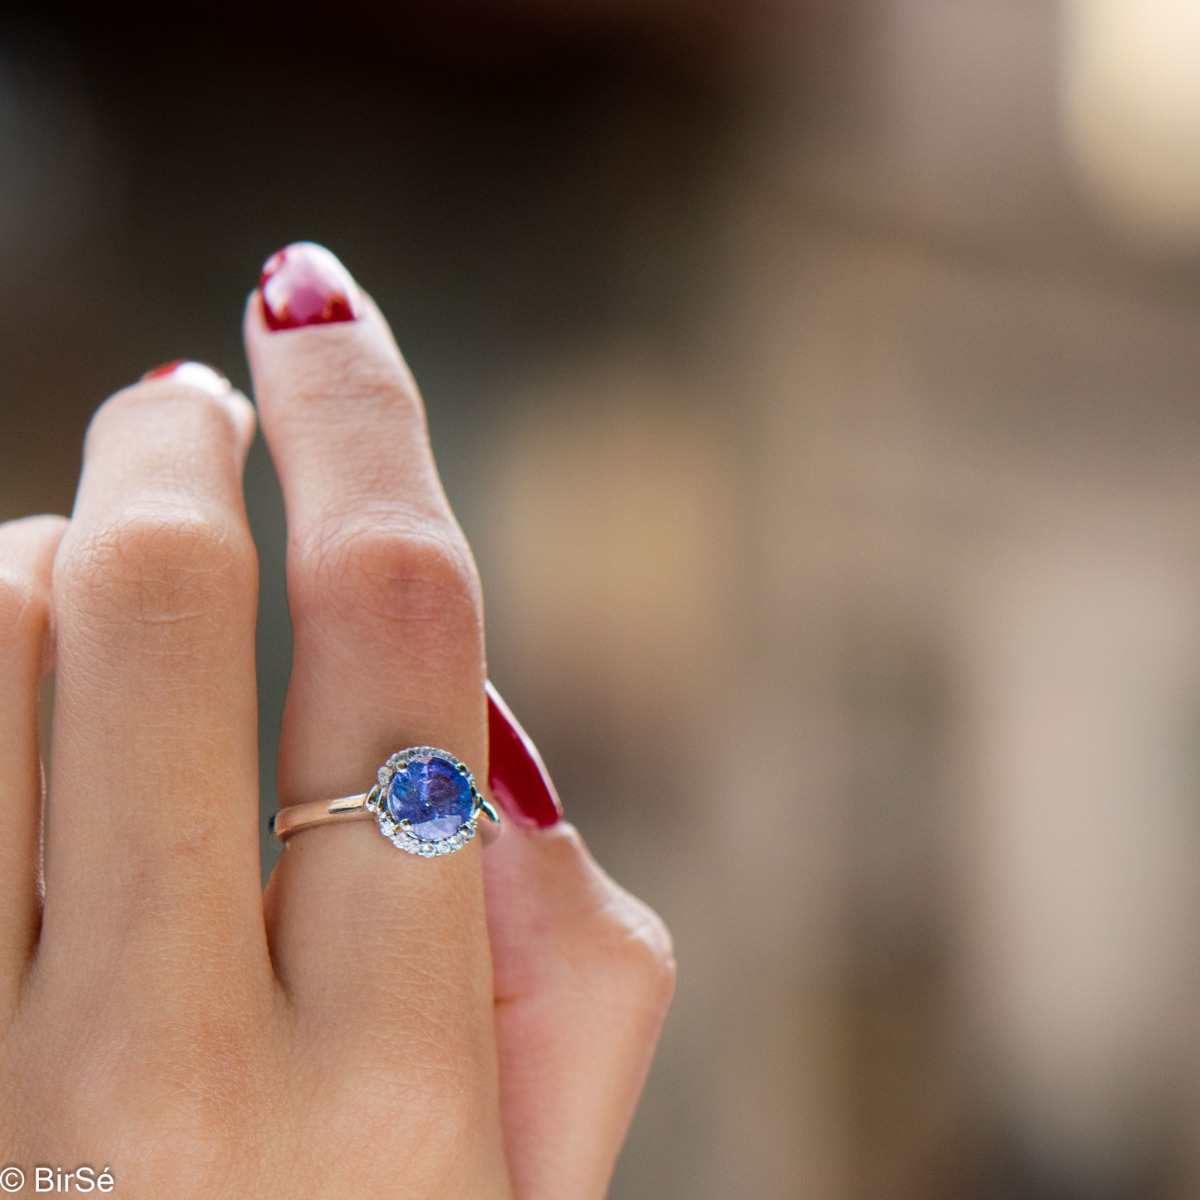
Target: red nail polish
{"points": [[303, 284], [517, 777], [192, 374]]}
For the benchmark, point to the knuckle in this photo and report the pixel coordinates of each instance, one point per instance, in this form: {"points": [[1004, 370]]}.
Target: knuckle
{"points": [[158, 568], [619, 945], [444, 1104], [25, 606], [186, 1081], [637, 952], [191, 1081], [377, 579]]}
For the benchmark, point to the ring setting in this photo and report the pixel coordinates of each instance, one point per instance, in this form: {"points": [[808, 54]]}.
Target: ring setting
{"points": [[424, 802]]}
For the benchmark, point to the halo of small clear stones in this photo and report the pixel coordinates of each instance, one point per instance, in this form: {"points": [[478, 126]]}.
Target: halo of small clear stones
{"points": [[402, 838]]}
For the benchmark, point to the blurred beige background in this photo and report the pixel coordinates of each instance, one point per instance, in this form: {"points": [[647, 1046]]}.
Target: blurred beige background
{"points": [[819, 385]]}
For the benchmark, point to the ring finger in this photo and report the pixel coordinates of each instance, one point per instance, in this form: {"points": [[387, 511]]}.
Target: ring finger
{"points": [[388, 653]]}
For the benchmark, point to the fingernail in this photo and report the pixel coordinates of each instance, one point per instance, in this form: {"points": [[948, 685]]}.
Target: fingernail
{"points": [[193, 374], [303, 284], [517, 777]]}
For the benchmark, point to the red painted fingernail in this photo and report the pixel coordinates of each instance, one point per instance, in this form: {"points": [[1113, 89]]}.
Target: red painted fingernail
{"points": [[517, 777], [303, 284], [193, 374]]}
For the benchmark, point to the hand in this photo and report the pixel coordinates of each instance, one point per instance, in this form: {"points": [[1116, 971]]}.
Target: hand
{"points": [[476, 1025]]}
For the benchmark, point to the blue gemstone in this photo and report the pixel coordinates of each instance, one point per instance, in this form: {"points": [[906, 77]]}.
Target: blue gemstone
{"points": [[432, 795]]}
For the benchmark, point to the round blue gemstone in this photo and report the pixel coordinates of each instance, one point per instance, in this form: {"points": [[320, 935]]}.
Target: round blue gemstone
{"points": [[432, 795]]}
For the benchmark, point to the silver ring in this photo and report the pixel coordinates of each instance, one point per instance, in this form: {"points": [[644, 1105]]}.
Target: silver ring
{"points": [[424, 802]]}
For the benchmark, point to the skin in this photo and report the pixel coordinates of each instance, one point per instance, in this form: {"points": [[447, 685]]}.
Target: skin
{"points": [[475, 1026]]}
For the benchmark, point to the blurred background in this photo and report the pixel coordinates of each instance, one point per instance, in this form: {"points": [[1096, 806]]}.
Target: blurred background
{"points": [[818, 382]]}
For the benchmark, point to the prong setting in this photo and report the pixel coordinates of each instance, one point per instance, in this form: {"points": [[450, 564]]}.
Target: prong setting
{"points": [[401, 833]]}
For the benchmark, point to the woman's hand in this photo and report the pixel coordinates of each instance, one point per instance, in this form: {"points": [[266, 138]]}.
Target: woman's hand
{"points": [[476, 1025]]}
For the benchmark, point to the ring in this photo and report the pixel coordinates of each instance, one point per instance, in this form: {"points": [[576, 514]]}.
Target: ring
{"points": [[425, 802]]}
